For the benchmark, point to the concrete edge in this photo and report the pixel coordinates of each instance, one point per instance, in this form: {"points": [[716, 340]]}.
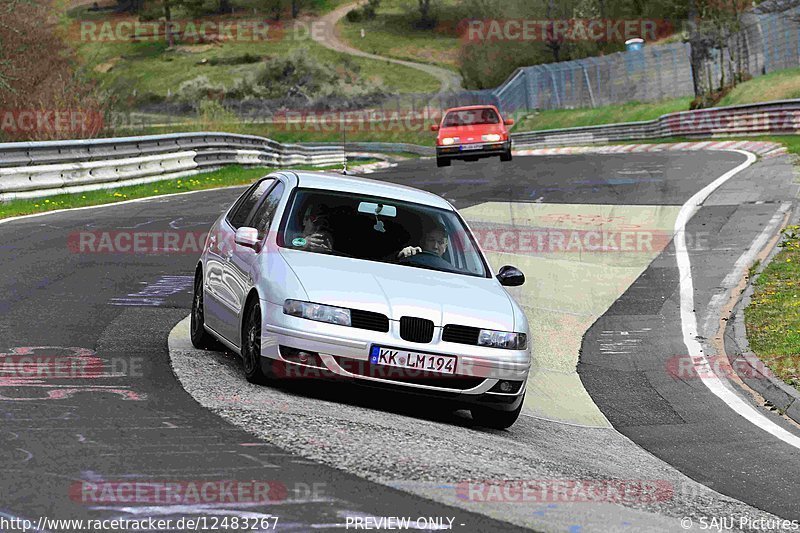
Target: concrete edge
{"points": [[747, 365]]}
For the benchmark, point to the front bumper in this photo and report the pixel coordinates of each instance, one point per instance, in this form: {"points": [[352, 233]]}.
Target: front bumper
{"points": [[344, 353], [458, 151]]}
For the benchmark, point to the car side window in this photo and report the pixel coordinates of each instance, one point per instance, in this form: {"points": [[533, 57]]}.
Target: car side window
{"points": [[240, 213], [266, 211]]}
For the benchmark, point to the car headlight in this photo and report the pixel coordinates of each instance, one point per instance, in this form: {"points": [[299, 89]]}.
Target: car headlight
{"points": [[491, 137], [447, 141], [503, 339], [318, 312]]}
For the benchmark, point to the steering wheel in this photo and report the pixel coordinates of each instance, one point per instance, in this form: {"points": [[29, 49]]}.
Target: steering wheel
{"points": [[426, 258]]}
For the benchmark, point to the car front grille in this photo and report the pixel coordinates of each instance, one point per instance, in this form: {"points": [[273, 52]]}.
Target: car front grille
{"points": [[460, 334], [369, 320], [413, 329]]}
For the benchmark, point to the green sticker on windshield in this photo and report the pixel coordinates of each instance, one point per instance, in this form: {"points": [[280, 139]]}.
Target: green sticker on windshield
{"points": [[299, 241]]}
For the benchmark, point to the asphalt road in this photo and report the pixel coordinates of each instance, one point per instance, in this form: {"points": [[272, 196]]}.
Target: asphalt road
{"points": [[121, 416], [124, 417], [635, 365]]}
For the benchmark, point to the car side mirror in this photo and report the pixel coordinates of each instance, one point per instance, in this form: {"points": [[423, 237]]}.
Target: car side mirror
{"points": [[435, 127], [510, 276], [247, 237], [509, 122]]}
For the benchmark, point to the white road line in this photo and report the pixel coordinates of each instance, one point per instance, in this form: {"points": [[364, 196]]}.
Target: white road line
{"points": [[689, 318]]}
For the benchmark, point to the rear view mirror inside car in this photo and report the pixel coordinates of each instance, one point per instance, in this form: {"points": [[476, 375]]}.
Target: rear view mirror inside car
{"points": [[377, 209]]}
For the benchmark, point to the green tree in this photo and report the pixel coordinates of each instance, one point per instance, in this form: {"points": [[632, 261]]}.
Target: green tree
{"points": [[427, 16]]}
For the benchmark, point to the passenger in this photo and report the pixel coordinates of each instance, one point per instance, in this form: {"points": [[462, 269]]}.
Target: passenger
{"points": [[316, 229]]}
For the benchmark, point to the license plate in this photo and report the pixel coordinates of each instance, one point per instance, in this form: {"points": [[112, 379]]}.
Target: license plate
{"points": [[471, 147], [443, 364]]}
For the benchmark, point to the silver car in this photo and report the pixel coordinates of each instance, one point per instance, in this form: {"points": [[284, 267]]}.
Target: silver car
{"points": [[315, 275]]}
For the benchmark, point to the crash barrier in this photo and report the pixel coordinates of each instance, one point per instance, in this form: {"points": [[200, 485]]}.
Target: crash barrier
{"points": [[37, 169], [384, 148], [773, 118]]}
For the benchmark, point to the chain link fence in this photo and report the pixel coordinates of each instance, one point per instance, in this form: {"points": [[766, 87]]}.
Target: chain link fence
{"points": [[766, 43]]}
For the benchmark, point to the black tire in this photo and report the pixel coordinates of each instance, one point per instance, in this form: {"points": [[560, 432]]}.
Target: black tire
{"points": [[201, 339], [494, 419], [506, 156], [251, 345], [443, 162]]}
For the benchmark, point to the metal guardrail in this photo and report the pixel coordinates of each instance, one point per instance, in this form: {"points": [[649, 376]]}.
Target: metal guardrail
{"points": [[382, 147], [36, 169], [779, 117]]}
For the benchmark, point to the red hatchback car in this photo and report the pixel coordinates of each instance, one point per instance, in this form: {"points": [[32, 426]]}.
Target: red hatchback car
{"points": [[470, 133]]}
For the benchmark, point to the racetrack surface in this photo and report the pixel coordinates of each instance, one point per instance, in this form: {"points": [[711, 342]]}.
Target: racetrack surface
{"points": [[129, 419], [634, 362]]}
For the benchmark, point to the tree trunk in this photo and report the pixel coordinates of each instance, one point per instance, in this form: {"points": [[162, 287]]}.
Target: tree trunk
{"points": [[696, 51], [168, 24]]}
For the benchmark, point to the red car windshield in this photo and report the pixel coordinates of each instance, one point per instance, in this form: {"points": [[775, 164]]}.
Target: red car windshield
{"points": [[469, 117]]}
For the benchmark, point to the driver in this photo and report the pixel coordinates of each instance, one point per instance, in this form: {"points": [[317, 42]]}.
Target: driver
{"points": [[434, 241]]}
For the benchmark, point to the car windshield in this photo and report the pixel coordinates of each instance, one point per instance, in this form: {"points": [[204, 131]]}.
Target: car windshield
{"points": [[382, 230], [468, 117]]}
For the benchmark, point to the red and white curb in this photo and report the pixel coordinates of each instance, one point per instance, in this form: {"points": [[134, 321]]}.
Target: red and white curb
{"points": [[762, 148]]}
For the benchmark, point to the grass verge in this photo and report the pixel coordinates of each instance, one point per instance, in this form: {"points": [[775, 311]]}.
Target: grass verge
{"points": [[773, 317], [226, 177], [780, 85], [630, 112]]}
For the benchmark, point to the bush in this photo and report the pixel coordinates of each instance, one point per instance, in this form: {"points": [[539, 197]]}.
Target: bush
{"points": [[245, 89], [487, 65], [198, 89], [300, 75], [297, 79], [244, 59], [213, 115], [365, 12]]}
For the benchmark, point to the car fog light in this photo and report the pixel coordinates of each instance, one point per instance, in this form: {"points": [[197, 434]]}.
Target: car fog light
{"points": [[506, 386]]}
